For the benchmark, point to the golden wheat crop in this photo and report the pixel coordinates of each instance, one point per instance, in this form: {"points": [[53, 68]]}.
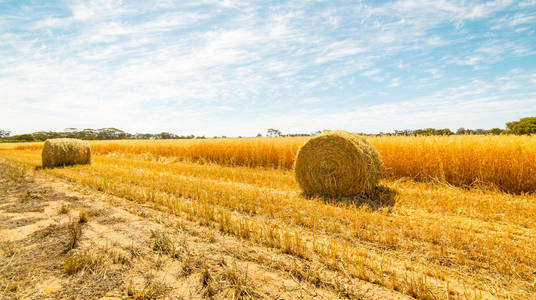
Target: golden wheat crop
{"points": [[427, 240], [506, 162]]}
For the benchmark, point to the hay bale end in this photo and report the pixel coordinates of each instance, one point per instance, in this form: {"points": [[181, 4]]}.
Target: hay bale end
{"points": [[337, 164], [65, 152]]}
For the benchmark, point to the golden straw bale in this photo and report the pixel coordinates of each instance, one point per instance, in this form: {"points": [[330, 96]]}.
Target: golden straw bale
{"points": [[65, 152], [337, 163]]}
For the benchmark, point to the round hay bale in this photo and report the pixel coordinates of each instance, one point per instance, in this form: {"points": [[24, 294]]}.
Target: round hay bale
{"points": [[65, 152], [337, 164]]}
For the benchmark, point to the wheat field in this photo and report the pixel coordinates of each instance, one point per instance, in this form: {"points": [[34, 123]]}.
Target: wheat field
{"points": [[454, 219], [505, 162]]}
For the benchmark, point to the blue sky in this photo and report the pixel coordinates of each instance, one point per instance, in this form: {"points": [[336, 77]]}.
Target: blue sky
{"points": [[239, 67]]}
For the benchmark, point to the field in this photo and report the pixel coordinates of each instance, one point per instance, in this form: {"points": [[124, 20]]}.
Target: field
{"points": [[506, 162], [455, 217]]}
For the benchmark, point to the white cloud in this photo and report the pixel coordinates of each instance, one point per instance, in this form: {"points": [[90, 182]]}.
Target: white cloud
{"points": [[82, 12], [475, 113], [521, 29], [528, 3], [468, 61], [522, 18], [394, 82], [311, 100], [436, 74], [371, 73], [465, 106], [339, 50], [436, 41]]}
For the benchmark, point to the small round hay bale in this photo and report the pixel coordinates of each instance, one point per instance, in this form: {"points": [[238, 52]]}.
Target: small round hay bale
{"points": [[337, 164], [65, 152]]}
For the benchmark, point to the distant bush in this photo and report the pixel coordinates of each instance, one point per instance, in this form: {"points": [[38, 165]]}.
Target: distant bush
{"points": [[523, 126]]}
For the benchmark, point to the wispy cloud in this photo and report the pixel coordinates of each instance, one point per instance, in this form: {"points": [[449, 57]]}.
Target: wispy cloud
{"points": [[209, 67]]}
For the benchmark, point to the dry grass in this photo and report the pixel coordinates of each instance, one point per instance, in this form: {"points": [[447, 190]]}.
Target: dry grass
{"points": [[82, 217], [432, 241], [75, 231], [64, 209], [153, 288], [85, 260], [161, 242], [237, 279]]}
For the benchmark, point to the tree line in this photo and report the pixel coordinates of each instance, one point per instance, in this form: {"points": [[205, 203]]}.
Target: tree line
{"points": [[525, 126], [90, 134]]}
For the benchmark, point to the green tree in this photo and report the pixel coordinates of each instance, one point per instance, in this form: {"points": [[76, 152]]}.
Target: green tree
{"points": [[273, 132], [4, 133], [111, 134], [25, 137], [494, 131], [164, 136], [523, 126], [444, 131]]}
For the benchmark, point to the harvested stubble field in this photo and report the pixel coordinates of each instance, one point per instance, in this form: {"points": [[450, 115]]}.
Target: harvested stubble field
{"points": [[455, 218]]}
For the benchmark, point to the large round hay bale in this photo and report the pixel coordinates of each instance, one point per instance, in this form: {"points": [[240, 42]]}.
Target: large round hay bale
{"points": [[337, 163], [65, 152]]}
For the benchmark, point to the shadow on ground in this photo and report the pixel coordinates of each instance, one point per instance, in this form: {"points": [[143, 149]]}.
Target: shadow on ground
{"points": [[380, 197]]}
